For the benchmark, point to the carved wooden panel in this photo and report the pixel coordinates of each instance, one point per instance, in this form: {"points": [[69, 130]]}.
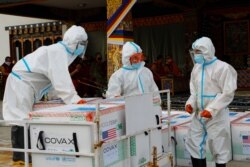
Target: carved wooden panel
{"points": [[25, 39]]}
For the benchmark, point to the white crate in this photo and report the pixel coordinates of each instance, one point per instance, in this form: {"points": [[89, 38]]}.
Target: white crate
{"points": [[183, 157], [236, 115], [60, 138], [41, 105], [176, 118], [166, 145], [241, 138], [112, 124]]}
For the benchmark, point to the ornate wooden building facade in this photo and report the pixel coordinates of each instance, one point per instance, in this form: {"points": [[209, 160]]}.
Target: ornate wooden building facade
{"points": [[225, 21], [24, 39]]}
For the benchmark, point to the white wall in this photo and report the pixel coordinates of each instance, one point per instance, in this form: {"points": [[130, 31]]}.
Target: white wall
{"points": [[10, 20]]}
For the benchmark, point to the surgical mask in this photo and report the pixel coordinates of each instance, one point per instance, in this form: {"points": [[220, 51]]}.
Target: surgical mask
{"points": [[199, 58], [136, 66]]}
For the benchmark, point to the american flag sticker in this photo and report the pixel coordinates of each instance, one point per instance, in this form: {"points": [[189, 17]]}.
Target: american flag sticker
{"points": [[109, 134], [246, 139]]}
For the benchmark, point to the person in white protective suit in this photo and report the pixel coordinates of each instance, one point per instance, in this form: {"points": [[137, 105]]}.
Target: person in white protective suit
{"points": [[133, 78], [212, 87], [36, 73]]}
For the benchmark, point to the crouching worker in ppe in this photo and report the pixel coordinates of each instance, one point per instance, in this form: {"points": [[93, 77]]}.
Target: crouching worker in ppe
{"points": [[212, 86], [35, 74], [133, 78]]}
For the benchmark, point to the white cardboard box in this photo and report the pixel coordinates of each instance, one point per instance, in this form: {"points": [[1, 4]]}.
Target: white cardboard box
{"points": [[140, 149], [183, 157], [241, 138], [168, 147], [236, 115], [176, 119], [60, 138], [58, 102], [112, 125]]}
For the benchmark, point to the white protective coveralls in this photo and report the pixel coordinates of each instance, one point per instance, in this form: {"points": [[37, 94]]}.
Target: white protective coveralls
{"points": [[128, 80], [36, 73], [212, 87]]}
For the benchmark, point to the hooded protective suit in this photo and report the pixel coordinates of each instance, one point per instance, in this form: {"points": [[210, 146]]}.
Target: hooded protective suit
{"points": [[36, 73], [129, 80], [212, 87]]}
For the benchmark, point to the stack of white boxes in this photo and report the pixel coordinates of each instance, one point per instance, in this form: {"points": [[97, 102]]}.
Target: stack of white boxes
{"points": [[140, 149], [58, 102], [112, 125], [60, 137], [236, 115], [241, 138], [182, 155], [47, 104], [183, 158], [176, 118]]}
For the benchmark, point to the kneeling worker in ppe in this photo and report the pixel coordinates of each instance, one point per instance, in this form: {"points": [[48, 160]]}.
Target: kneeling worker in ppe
{"points": [[36, 73], [212, 87], [133, 78]]}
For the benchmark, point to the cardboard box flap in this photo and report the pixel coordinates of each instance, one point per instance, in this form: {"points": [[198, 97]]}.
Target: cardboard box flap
{"points": [[244, 119]]}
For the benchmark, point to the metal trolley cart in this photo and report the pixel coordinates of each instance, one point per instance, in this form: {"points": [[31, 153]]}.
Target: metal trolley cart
{"points": [[120, 132]]}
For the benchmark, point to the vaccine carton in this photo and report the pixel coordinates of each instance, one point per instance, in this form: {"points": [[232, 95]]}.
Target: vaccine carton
{"points": [[240, 129]]}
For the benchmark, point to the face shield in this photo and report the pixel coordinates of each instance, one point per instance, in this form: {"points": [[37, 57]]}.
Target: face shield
{"points": [[81, 48], [197, 56], [136, 58]]}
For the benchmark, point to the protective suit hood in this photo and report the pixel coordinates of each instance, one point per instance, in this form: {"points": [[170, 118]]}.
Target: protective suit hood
{"points": [[72, 39], [205, 45], [74, 35], [128, 49]]}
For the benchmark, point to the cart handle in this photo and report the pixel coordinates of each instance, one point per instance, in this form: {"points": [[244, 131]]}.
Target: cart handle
{"points": [[157, 121], [75, 144], [40, 141]]}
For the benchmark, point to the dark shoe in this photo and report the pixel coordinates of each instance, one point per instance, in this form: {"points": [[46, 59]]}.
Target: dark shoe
{"points": [[220, 165], [199, 162]]}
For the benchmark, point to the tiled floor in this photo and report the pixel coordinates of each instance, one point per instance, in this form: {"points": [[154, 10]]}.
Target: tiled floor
{"points": [[6, 159]]}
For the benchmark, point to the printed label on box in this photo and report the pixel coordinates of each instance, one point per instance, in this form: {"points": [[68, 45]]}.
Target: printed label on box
{"points": [[114, 152], [246, 144], [133, 146], [110, 154]]}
